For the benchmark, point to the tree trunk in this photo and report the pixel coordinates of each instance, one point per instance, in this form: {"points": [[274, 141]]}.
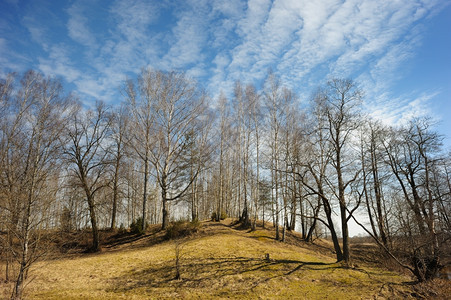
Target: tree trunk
{"points": [[309, 237], [345, 235], [293, 206], [18, 288], [328, 211], [194, 211], [164, 200], [95, 231], [165, 211], [146, 175], [115, 194]]}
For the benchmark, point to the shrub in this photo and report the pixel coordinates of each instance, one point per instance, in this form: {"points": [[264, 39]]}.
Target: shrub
{"points": [[182, 228], [66, 220], [195, 224], [122, 229], [137, 226], [222, 216]]}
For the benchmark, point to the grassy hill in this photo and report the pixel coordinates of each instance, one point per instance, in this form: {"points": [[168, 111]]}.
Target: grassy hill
{"points": [[219, 261]]}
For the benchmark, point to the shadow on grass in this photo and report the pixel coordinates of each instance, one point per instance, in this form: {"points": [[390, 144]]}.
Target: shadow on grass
{"points": [[157, 236], [135, 240], [237, 273]]}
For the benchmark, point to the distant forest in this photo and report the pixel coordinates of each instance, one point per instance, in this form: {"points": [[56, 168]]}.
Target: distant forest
{"points": [[171, 152]]}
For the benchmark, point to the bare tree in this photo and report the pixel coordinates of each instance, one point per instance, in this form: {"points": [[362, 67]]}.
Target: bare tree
{"points": [[119, 126], [244, 131], [88, 158], [275, 108], [372, 139], [342, 105], [224, 135], [195, 160], [142, 99], [288, 143], [314, 167], [30, 166], [176, 105], [8, 127], [412, 156], [256, 120], [442, 182], [413, 230]]}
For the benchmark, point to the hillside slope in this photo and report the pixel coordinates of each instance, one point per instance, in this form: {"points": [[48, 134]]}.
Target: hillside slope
{"points": [[217, 262]]}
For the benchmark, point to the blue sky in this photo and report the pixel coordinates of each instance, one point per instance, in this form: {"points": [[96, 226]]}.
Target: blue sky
{"points": [[398, 51]]}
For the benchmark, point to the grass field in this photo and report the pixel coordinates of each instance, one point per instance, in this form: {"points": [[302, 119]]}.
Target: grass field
{"points": [[218, 262]]}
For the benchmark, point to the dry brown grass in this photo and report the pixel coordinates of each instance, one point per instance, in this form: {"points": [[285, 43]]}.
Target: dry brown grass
{"points": [[217, 262]]}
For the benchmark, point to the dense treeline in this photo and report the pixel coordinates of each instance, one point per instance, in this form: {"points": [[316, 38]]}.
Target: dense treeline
{"points": [[171, 152]]}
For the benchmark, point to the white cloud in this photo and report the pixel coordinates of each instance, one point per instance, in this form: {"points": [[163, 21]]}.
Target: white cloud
{"points": [[58, 64], [122, 50], [221, 41], [9, 61], [37, 31], [367, 39], [218, 81], [399, 110], [90, 87], [245, 55], [77, 26], [230, 9], [306, 41], [310, 34], [189, 36], [134, 17]]}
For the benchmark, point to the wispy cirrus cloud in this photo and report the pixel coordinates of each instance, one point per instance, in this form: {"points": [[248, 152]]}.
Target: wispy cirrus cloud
{"points": [[134, 17], [398, 110], [38, 31], [9, 60], [58, 64], [78, 27], [304, 42], [120, 51], [189, 41], [249, 29]]}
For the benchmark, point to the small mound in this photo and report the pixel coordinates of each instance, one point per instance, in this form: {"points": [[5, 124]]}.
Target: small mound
{"points": [[214, 260]]}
